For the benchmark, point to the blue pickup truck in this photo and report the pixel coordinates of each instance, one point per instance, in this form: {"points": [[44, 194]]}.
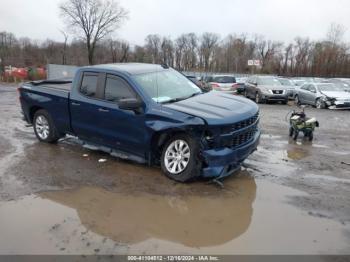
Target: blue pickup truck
{"points": [[146, 113]]}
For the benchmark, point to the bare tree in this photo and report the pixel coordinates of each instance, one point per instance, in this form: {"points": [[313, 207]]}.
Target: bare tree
{"points": [[267, 49], [93, 20], [167, 49], [119, 50], [153, 46], [207, 46]]}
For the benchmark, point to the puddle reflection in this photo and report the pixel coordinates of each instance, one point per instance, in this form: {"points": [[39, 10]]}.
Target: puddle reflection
{"points": [[194, 221]]}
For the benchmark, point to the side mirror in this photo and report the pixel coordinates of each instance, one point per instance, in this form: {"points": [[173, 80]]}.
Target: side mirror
{"points": [[133, 104]]}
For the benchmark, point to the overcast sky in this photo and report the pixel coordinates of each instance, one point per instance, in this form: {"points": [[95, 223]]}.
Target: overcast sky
{"points": [[276, 19]]}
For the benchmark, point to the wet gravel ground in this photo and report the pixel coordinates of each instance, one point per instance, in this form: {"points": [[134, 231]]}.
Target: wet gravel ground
{"points": [[290, 197]]}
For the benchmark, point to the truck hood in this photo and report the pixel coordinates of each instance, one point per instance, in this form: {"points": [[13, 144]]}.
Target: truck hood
{"points": [[217, 108], [337, 94]]}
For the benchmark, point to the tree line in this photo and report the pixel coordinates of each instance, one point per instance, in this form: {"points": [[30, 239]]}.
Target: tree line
{"points": [[207, 52]]}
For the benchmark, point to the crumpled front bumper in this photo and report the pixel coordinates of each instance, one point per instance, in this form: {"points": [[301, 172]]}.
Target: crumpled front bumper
{"points": [[225, 161]]}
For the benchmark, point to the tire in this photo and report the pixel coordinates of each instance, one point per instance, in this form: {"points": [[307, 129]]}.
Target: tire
{"points": [[311, 136], [291, 131], [176, 169], [245, 94], [296, 100], [319, 104], [44, 127], [296, 134], [258, 98]]}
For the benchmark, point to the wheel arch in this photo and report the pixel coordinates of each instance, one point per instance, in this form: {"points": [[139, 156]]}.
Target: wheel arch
{"points": [[32, 112], [159, 139]]}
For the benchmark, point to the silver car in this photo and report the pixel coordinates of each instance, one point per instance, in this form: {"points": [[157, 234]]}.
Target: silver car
{"points": [[323, 95], [224, 83], [290, 85]]}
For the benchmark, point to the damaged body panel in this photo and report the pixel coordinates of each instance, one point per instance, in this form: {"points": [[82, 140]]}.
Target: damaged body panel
{"points": [[148, 114]]}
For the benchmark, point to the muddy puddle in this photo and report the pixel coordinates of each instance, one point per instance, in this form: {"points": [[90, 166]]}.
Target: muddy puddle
{"points": [[251, 216]]}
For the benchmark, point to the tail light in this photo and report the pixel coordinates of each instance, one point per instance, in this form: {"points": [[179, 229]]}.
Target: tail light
{"points": [[235, 85], [214, 85]]}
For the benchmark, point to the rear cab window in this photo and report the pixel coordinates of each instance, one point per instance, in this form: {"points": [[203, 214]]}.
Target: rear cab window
{"points": [[88, 85]]}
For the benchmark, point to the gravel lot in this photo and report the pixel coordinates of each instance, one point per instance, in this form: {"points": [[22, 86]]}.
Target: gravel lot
{"points": [[290, 197]]}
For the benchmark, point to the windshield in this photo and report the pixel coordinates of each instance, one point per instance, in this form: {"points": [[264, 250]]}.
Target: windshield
{"points": [[268, 81], [167, 85], [224, 79], [286, 82], [329, 87]]}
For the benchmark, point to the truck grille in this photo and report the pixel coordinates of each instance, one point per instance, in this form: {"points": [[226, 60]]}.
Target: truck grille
{"points": [[244, 137], [277, 92], [245, 123], [249, 126]]}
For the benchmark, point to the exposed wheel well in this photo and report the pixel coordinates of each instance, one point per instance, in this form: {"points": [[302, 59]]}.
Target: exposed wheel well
{"points": [[158, 141], [32, 112]]}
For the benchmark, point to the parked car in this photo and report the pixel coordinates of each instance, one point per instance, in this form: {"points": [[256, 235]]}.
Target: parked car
{"points": [[342, 84], [323, 95], [298, 82], [265, 89], [206, 82], [147, 113], [224, 83], [241, 84], [198, 81], [289, 84]]}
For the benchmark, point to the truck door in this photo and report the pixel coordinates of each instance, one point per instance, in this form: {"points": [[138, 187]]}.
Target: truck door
{"points": [[84, 107], [121, 129]]}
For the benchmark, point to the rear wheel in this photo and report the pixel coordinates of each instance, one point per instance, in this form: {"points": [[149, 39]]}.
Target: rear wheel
{"points": [[311, 136], [179, 159], [291, 131], [44, 127]]}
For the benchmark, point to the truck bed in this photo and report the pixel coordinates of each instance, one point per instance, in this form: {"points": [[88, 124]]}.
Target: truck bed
{"points": [[51, 95], [55, 84]]}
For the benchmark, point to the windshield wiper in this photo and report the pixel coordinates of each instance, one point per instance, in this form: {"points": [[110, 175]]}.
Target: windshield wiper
{"points": [[180, 98]]}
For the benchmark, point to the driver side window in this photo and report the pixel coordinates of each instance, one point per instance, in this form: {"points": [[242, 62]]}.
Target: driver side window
{"points": [[305, 87], [312, 88], [116, 88]]}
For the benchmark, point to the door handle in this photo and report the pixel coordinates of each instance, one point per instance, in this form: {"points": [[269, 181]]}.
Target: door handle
{"points": [[75, 104], [103, 110]]}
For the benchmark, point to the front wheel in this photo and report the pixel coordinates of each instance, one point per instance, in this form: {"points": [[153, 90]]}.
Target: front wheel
{"points": [[179, 160], [296, 134], [319, 104], [245, 94], [258, 99], [44, 127]]}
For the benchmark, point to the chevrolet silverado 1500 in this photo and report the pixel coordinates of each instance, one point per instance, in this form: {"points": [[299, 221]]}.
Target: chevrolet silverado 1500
{"points": [[146, 113]]}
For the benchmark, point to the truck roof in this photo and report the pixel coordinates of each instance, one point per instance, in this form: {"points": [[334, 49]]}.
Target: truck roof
{"points": [[130, 68]]}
